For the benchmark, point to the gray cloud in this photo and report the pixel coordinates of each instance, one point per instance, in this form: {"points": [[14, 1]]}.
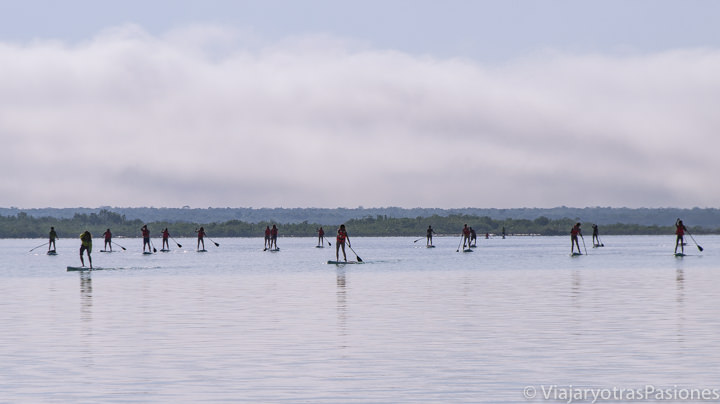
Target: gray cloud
{"points": [[199, 117]]}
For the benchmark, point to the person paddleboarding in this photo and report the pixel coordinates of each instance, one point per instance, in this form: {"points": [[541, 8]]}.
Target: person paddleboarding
{"points": [[342, 237], [574, 232], [430, 232], [146, 238], [201, 238], [165, 239], [273, 237], [108, 240], [267, 238], [52, 236], [466, 236], [321, 236], [680, 230], [86, 245], [596, 237]]}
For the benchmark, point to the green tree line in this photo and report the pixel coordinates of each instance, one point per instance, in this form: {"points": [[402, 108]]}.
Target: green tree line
{"points": [[23, 225]]}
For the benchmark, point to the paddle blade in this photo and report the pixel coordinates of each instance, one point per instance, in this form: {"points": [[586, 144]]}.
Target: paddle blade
{"points": [[217, 245], [699, 248], [358, 258], [179, 245], [154, 249]]}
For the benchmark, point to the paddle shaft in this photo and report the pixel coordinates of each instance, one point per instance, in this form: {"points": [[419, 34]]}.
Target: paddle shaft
{"points": [[357, 257], [34, 248], [178, 244], [119, 245], [693, 239]]}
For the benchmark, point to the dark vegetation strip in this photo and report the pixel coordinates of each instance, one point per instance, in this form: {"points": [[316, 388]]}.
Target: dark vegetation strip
{"points": [[26, 226]]}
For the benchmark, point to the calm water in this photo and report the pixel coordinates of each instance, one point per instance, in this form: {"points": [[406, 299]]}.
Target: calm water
{"points": [[237, 324]]}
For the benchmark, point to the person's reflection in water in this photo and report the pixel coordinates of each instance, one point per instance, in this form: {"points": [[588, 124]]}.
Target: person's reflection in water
{"points": [[86, 295], [680, 300], [86, 322], [341, 305]]}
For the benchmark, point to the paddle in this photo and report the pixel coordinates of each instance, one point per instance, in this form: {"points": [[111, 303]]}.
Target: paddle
{"points": [[216, 244], [153, 246], [693, 239], [329, 245], [39, 246], [357, 257], [583, 239], [178, 244], [461, 240], [119, 245], [418, 239]]}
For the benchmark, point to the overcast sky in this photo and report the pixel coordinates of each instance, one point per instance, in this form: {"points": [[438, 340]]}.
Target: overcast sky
{"points": [[369, 103]]}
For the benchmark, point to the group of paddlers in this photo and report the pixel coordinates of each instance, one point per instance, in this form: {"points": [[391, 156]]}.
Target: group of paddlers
{"points": [[680, 231], [469, 239], [86, 242]]}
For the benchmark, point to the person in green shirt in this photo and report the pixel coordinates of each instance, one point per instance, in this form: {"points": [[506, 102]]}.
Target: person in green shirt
{"points": [[86, 245], [53, 237]]}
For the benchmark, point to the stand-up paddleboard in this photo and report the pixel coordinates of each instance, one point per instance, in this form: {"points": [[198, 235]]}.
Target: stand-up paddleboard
{"points": [[84, 269], [680, 255], [429, 246], [274, 250], [147, 253], [319, 246], [575, 254], [52, 252], [467, 250], [203, 250], [164, 250], [107, 251], [343, 262]]}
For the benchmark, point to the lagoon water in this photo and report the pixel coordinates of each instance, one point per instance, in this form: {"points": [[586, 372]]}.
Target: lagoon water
{"points": [[410, 325]]}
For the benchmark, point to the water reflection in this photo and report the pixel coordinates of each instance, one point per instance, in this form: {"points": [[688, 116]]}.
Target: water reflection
{"points": [[341, 295], [575, 289], [85, 296], [680, 300], [86, 320]]}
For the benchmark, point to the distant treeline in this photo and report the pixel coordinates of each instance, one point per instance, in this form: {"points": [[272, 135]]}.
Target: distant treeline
{"points": [[23, 225], [708, 218]]}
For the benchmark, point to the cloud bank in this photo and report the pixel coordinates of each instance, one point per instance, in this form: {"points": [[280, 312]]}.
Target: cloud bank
{"points": [[211, 116]]}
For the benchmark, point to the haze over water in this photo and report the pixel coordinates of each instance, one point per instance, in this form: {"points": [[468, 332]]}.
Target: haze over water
{"points": [[237, 324]]}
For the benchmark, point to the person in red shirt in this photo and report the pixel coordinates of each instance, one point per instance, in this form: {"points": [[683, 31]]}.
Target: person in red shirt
{"points": [[273, 237], [466, 235], [108, 240], [321, 235], [267, 238], [201, 238], [342, 236], [574, 232], [680, 230], [146, 238], [165, 237]]}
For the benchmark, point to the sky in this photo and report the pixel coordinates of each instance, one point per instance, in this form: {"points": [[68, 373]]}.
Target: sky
{"points": [[443, 104]]}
